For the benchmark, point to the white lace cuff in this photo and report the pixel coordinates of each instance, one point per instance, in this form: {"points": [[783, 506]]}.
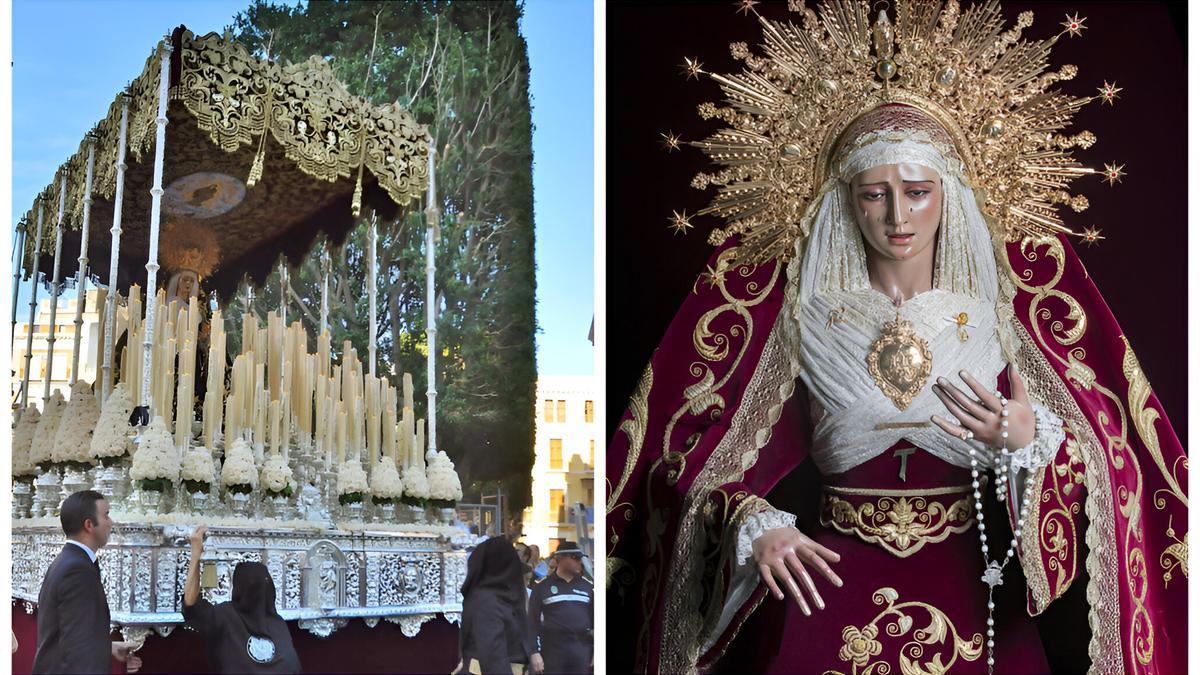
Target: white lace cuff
{"points": [[754, 527], [1047, 439]]}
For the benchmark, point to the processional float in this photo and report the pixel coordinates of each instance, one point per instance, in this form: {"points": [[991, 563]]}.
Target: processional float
{"points": [[261, 160]]}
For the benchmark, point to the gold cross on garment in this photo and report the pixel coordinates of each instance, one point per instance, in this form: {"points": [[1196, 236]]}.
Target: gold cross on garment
{"points": [[903, 454]]}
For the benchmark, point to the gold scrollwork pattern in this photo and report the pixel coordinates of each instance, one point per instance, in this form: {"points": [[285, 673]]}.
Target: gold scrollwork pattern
{"points": [[899, 525], [713, 346], [860, 646], [1126, 485], [1056, 516], [1174, 556], [225, 88], [635, 429]]}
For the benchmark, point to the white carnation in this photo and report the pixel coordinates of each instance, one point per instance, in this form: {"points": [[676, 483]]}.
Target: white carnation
{"points": [[385, 480], [415, 483], [239, 468], [351, 478], [43, 439], [23, 442], [198, 465], [112, 431], [443, 480], [276, 474], [73, 441], [156, 456]]}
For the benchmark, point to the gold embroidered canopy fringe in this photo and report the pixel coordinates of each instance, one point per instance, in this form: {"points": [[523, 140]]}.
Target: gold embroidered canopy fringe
{"points": [[252, 196]]}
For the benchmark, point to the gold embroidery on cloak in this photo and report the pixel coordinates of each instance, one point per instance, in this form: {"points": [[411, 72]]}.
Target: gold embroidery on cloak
{"points": [[860, 645]]}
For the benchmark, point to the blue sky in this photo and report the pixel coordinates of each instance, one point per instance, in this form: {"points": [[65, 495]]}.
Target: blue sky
{"points": [[72, 57]]}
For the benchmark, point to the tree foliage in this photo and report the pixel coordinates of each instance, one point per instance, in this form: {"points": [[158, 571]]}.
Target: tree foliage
{"points": [[462, 69]]}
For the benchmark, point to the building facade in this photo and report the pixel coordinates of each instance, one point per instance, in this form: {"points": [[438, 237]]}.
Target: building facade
{"points": [[567, 431], [64, 344]]}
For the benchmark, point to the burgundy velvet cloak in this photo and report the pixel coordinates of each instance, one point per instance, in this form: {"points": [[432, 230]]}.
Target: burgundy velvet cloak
{"points": [[714, 424]]}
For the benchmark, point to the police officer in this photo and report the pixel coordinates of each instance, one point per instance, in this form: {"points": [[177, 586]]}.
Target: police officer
{"points": [[560, 616]]}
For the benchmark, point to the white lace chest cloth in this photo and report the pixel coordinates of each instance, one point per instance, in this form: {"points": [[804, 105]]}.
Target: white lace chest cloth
{"points": [[854, 421]]}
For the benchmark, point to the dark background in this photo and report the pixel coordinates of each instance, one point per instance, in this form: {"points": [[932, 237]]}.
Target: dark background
{"points": [[1140, 268]]}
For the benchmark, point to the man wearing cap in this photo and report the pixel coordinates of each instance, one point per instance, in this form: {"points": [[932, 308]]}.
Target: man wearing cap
{"points": [[560, 616]]}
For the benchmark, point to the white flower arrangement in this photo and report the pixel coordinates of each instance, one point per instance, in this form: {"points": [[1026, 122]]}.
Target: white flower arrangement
{"points": [[277, 475], [23, 442], [351, 479], [43, 439], [239, 469], [385, 480], [156, 458], [443, 479], [416, 485], [73, 442], [198, 466], [111, 439]]}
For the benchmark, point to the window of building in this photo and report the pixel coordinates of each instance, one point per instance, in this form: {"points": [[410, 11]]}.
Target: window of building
{"points": [[556, 460], [549, 407], [588, 411], [562, 411], [556, 505]]}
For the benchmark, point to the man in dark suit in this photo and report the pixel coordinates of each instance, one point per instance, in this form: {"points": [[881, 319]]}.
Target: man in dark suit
{"points": [[73, 622]]}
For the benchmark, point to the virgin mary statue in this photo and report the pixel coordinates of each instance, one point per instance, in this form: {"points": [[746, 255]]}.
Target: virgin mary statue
{"points": [[894, 296]]}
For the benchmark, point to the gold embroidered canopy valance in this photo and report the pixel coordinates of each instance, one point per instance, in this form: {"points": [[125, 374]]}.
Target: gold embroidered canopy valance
{"points": [[260, 159]]}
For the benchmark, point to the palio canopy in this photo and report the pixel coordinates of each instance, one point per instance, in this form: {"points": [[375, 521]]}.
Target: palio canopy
{"points": [[235, 197]]}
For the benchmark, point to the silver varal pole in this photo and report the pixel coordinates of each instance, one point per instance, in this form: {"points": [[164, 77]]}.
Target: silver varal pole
{"points": [[432, 214], [20, 251], [83, 261], [283, 284], [325, 265], [372, 290], [55, 287], [33, 276], [156, 192], [110, 308]]}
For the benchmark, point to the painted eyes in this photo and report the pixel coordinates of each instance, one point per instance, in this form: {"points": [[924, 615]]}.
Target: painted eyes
{"points": [[916, 193]]}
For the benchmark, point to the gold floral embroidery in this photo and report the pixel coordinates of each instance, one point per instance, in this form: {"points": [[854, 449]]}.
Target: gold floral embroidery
{"points": [[901, 525], [860, 645]]}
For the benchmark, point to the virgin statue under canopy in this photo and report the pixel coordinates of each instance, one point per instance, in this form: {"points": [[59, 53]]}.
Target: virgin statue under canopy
{"points": [[894, 296]]}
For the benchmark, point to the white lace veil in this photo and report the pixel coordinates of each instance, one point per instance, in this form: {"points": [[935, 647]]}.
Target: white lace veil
{"points": [[833, 255]]}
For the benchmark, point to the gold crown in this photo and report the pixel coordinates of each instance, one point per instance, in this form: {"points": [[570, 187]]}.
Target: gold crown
{"points": [[791, 108], [189, 247]]}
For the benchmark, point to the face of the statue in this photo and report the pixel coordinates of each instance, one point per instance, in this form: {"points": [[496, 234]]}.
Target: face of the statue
{"points": [[898, 208], [186, 283]]}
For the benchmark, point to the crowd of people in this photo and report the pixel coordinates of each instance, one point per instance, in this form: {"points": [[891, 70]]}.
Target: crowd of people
{"points": [[524, 613], [520, 613]]}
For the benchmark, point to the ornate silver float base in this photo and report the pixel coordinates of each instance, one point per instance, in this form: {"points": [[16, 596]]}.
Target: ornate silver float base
{"points": [[416, 514], [22, 498], [323, 578], [240, 504], [73, 481], [47, 493], [385, 513], [150, 500]]}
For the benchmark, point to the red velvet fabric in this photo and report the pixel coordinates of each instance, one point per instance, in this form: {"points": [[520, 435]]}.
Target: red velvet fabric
{"points": [[352, 649], [945, 576]]}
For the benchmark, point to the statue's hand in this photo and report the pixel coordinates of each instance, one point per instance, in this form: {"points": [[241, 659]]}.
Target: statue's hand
{"points": [[984, 417], [782, 554]]}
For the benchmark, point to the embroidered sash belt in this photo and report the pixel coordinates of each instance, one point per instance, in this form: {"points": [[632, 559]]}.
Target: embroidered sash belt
{"points": [[899, 521]]}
